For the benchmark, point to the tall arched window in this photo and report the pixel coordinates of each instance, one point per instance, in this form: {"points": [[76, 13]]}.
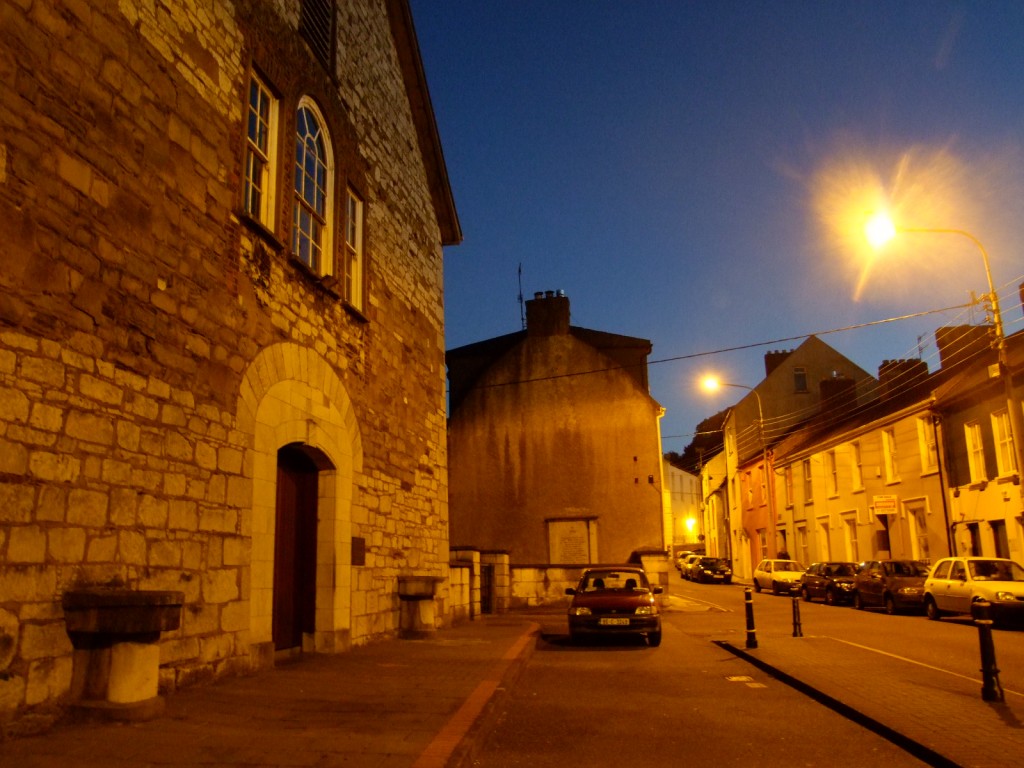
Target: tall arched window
{"points": [[314, 172]]}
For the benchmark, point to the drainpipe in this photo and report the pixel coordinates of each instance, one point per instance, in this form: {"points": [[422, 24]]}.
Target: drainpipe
{"points": [[942, 483]]}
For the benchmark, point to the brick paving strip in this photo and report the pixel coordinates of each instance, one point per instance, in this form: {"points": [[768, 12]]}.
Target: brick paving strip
{"points": [[439, 752]]}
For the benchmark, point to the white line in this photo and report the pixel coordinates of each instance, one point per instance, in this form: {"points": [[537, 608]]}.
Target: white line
{"points": [[912, 661]]}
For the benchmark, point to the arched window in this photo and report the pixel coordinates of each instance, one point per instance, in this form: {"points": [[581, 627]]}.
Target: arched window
{"points": [[314, 175]]}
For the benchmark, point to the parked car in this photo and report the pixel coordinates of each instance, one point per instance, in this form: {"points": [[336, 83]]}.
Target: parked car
{"points": [[613, 601], [781, 576], [896, 585], [684, 568], [711, 570], [957, 584], [832, 582]]}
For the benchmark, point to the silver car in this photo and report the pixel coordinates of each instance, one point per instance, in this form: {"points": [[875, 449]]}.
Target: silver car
{"points": [[958, 584]]}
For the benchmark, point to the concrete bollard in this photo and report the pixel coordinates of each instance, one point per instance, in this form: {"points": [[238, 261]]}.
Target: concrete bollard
{"points": [[798, 630], [991, 690], [748, 597]]}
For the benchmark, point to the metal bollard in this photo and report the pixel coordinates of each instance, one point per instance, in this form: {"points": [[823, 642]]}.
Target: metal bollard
{"points": [[748, 598], [991, 690], [798, 630]]}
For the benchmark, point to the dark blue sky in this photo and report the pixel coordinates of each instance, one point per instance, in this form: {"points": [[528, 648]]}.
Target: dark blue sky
{"points": [[688, 172]]}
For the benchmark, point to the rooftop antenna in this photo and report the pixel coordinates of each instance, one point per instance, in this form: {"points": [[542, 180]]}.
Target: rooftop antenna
{"points": [[522, 311]]}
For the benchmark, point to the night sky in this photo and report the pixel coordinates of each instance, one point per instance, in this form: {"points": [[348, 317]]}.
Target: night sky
{"points": [[695, 173]]}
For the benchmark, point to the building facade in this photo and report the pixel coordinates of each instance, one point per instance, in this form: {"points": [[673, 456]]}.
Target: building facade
{"points": [[796, 385], [554, 443], [221, 328]]}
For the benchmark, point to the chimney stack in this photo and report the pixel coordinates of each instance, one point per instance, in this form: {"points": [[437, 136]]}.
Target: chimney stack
{"points": [[547, 314], [898, 376]]}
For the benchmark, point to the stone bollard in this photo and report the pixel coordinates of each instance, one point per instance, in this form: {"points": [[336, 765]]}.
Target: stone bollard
{"points": [[748, 598], [798, 630], [991, 690]]}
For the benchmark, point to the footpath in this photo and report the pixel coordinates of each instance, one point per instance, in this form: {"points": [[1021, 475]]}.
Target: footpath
{"points": [[420, 703]]}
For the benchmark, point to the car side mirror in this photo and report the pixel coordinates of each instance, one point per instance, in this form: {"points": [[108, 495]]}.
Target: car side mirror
{"points": [[570, 591], [657, 590]]}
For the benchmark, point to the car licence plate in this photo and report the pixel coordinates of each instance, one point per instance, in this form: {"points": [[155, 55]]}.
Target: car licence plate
{"points": [[614, 622], [719, 576]]}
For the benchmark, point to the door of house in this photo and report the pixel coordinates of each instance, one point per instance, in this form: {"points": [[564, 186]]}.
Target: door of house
{"points": [[294, 548], [487, 588]]}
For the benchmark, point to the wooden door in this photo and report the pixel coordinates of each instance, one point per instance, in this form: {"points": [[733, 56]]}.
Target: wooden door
{"points": [[294, 548]]}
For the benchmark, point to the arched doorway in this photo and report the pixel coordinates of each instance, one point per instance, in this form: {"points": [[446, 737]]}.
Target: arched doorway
{"points": [[294, 611]]}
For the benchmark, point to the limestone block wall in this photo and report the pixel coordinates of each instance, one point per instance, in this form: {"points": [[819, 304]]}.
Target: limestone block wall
{"points": [[156, 349]]}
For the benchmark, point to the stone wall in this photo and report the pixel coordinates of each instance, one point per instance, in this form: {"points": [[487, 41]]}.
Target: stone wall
{"points": [[156, 350]]}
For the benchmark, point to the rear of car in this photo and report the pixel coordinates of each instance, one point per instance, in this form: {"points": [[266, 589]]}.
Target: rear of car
{"points": [[615, 601]]}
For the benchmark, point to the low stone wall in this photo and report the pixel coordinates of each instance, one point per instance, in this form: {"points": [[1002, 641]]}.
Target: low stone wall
{"points": [[535, 586]]}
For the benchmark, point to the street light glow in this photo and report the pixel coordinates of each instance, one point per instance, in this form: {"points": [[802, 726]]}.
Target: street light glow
{"points": [[710, 383], [879, 229]]}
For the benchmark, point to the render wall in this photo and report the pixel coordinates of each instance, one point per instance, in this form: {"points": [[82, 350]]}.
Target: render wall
{"points": [[155, 351], [531, 445]]}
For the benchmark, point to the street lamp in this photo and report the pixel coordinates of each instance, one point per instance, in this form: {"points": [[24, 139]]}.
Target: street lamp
{"points": [[712, 384], [879, 230]]}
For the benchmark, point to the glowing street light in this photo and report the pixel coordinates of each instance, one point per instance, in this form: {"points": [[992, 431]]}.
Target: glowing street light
{"points": [[880, 229]]}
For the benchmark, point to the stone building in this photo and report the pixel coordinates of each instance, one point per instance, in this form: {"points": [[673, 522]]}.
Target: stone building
{"points": [[555, 444], [221, 329]]}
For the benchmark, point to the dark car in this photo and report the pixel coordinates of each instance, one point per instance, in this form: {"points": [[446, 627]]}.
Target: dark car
{"points": [[615, 601], [896, 585], [832, 582], [711, 570]]}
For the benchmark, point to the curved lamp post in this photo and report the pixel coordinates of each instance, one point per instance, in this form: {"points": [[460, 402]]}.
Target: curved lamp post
{"points": [[712, 384], [879, 230]]}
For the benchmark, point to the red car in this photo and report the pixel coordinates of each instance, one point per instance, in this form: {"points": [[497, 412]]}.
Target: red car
{"points": [[615, 601]]}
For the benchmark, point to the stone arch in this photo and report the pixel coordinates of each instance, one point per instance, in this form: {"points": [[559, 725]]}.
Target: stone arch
{"points": [[290, 394]]}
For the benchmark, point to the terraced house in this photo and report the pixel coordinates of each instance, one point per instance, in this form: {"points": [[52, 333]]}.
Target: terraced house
{"points": [[222, 365]]}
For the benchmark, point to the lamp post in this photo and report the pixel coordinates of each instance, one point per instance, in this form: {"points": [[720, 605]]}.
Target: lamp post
{"points": [[879, 229], [711, 384]]}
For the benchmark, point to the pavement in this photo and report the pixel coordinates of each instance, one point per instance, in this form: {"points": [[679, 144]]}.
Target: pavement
{"points": [[420, 703]]}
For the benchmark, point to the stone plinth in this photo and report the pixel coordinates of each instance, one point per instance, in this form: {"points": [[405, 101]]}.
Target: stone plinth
{"points": [[418, 612], [115, 633]]}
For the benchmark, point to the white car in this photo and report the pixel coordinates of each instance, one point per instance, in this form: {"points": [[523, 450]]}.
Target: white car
{"points": [[781, 576], [956, 584]]}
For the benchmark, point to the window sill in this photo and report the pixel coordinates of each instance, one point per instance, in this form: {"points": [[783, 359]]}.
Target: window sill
{"points": [[1012, 478], [258, 228]]}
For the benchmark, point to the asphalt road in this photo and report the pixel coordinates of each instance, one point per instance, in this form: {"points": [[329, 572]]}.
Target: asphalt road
{"points": [[624, 704]]}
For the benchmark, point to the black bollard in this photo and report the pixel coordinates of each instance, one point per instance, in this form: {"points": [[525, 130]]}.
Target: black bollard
{"points": [[748, 597], [798, 630], [991, 690]]}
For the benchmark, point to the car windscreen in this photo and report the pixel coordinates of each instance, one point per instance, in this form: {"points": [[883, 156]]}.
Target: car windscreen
{"points": [[598, 580], [909, 568], [712, 562], [788, 565], [842, 569]]}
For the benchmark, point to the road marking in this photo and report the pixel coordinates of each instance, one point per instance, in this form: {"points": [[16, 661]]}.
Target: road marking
{"points": [[912, 661]]}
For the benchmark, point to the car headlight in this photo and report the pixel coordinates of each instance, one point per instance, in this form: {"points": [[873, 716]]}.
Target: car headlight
{"points": [[844, 585], [579, 611], [645, 610], [909, 590], [1006, 596]]}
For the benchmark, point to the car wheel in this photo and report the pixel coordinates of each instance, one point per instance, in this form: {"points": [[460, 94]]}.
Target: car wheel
{"points": [[830, 597], [757, 585], [890, 605], [857, 602], [654, 639], [805, 594], [931, 610]]}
